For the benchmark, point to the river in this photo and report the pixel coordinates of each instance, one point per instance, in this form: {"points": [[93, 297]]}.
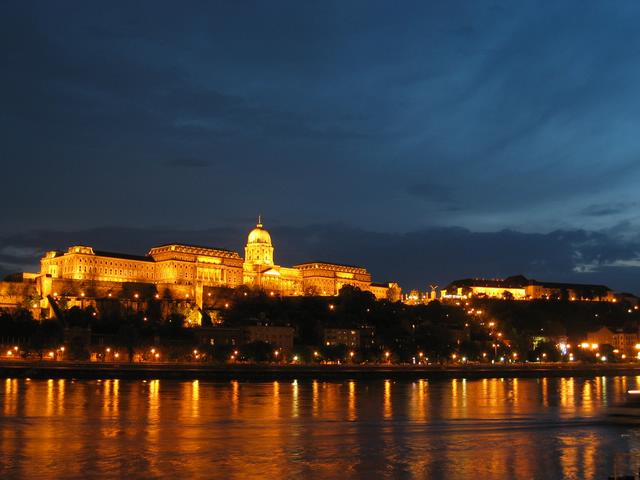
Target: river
{"points": [[546, 428]]}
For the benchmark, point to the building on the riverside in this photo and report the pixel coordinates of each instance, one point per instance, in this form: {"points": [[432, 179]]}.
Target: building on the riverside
{"points": [[623, 340], [183, 272], [522, 288], [349, 337], [279, 337]]}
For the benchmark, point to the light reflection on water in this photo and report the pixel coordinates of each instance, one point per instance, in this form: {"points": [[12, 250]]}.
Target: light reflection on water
{"points": [[488, 428]]}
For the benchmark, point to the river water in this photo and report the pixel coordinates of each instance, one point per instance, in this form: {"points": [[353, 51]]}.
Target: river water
{"points": [[548, 428]]}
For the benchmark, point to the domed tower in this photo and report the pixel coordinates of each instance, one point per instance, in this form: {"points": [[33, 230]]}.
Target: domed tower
{"points": [[259, 250]]}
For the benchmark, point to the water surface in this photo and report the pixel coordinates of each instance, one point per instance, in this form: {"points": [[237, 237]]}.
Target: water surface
{"points": [[549, 428]]}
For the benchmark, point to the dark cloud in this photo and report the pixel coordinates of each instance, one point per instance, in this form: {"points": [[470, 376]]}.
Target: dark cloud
{"points": [[431, 192], [415, 259], [608, 209], [187, 163], [494, 117]]}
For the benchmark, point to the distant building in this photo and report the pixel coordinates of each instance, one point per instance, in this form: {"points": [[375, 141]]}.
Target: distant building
{"points": [[220, 336], [342, 336], [184, 272], [367, 336], [390, 291], [522, 288], [415, 297], [620, 339], [279, 337]]}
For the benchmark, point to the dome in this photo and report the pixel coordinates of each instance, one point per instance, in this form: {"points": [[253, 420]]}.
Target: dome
{"points": [[259, 235]]}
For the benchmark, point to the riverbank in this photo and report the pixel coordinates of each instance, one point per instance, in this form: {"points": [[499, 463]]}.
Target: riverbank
{"points": [[123, 370]]}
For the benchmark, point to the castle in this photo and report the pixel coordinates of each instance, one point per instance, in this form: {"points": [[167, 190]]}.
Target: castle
{"points": [[189, 272]]}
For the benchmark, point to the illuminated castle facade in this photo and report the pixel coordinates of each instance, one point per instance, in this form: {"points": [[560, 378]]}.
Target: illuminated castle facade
{"points": [[185, 271]]}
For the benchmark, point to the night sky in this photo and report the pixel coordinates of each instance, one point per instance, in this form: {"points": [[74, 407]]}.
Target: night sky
{"points": [[427, 140]]}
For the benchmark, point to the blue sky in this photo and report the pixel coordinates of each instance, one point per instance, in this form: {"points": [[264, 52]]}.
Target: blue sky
{"points": [[496, 123]]}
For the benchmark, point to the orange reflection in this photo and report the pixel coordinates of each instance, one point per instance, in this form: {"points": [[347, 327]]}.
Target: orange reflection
{"points": [[485, 429], [195, 399], [352, 401], [314, 398], [10, 396], [387, 399], [276, 399], [294, 399], [235, 398], [418, 401]]}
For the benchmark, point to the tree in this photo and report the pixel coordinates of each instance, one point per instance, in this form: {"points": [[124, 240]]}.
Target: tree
{"points": [[258, 351], [48, 335], [127, 337]]}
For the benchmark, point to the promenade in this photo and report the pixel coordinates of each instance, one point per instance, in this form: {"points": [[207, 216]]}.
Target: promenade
{"points": [[243, 371]]}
